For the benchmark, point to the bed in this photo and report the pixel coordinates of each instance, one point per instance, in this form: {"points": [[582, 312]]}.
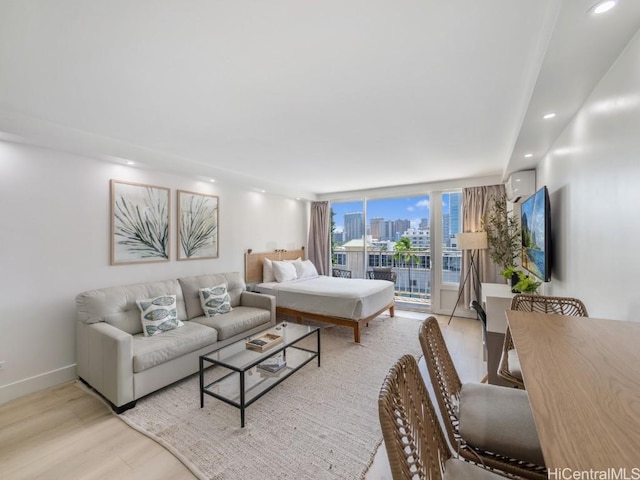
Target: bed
{"points": [[341, 301]]}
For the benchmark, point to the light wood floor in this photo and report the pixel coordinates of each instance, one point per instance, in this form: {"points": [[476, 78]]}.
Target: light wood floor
{"points": [[66, 433]]}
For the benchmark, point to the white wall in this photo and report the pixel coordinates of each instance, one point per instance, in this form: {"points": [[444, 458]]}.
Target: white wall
{"points": [[54, 244], [593, 175]]}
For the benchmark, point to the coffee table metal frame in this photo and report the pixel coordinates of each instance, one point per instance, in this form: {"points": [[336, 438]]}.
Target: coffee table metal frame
{"points": [[240, 360]]}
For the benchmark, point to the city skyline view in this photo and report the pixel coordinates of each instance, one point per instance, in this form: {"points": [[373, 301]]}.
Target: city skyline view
{"points": [[413, 209]]}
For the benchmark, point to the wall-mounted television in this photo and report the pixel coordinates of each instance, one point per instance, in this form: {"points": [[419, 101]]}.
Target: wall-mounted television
{"points": [[536, 234]]}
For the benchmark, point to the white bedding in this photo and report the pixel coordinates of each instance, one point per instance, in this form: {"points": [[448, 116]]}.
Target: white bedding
{"points": [[349, 298]]}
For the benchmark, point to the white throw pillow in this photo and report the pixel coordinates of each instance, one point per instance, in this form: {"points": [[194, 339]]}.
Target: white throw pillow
{"points": [[215, 300], [267, 271], [159, 314], [284, 271], [305, 269]]}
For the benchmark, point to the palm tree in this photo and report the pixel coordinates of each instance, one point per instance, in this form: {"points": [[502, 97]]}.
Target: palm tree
{"points": [[404, 251], [383, 248]]}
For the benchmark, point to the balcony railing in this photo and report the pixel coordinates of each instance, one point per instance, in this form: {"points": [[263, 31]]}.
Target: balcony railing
{"points": [[413, 282]]}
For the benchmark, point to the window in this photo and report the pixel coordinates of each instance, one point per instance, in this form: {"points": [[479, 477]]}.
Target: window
{"points": [[347, 236], [378, 225], [451, 226], [339, 259]]}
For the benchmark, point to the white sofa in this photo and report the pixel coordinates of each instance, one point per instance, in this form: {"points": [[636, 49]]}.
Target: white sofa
{"points": [[119, 362]]}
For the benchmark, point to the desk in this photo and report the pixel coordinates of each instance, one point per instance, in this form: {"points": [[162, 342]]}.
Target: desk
{"points": [[583, 380], [496, 298]]}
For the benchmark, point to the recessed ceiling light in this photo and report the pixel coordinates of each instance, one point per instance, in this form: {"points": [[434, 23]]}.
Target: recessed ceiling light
{"points": [[549, 115], [604, 6], [212, 180], [528, 155], [129, 162]]}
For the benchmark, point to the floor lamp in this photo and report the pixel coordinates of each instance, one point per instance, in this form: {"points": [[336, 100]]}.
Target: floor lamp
{"points": [[474, 241]]}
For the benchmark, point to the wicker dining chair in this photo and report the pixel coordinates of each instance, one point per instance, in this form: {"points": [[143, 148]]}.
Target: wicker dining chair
{"points": [[482, 421], [415, 444], [509, 367]]}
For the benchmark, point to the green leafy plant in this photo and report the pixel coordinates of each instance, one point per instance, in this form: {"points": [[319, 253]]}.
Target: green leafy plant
{"points": [[526, 284], [332, 234], [503, 235]]}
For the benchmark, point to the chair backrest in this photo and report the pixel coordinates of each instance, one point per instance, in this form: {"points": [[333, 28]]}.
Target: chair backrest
{"points": [[337, 272], [443, 374], [527, 302], [482, 315], [480, 311], [412, 434], [382, 275]]}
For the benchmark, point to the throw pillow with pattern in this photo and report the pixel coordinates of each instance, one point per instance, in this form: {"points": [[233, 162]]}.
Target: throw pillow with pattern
{"points": [[159, 314], [215, 300]]}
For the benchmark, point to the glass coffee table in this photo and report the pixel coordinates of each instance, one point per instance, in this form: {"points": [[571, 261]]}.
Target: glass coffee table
{"points": [[245, 383]]}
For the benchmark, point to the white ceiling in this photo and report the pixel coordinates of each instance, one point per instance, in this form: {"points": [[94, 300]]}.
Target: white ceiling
{"points": [[304, 98]]}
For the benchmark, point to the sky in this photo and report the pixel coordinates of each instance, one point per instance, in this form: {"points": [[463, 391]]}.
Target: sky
{"points": [[409, 208]]}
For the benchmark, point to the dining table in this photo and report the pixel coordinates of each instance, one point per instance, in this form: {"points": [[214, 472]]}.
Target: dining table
{"points": [[582, 376]]}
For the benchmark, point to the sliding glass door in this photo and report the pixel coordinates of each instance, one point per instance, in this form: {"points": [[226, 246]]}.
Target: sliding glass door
{"points": [[403, 239], [348, 239]]}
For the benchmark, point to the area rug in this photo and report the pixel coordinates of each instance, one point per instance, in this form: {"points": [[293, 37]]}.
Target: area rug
{"points": [[320, 423]]}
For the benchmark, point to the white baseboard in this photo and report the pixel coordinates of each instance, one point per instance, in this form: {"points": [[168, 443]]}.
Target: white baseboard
{"points": [[39, 382]]}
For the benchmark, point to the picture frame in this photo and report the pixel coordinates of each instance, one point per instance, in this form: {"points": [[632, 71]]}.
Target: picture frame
{"points": [[197, 225], [139, 223]]}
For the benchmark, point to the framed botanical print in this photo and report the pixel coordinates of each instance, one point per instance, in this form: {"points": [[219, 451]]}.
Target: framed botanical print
{"points": [[139, 223], [197, 226]]}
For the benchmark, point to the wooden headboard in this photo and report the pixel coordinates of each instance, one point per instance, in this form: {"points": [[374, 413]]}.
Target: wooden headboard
{"points": [[253, 262]]}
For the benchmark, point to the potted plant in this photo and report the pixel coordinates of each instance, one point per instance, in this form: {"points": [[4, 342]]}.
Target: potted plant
{"points": [[503, 235], [525, 284]]}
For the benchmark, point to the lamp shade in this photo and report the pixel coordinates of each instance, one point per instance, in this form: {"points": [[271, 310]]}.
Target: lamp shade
{"points": [[472, 241]]}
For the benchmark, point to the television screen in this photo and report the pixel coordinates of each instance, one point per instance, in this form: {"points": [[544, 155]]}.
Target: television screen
{"points": [[536, 234]]}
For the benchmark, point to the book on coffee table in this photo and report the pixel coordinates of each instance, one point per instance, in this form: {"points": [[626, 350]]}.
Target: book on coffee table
{"points": [[263, 342], [272, 365]]}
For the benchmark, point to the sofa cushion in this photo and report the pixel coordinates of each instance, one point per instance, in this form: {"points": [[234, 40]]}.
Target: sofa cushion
{"points": [[191, 290], [158, 314], [499, 420], [151, 351], [237, 321], [128, 321], [215, 300], [115, 304]]}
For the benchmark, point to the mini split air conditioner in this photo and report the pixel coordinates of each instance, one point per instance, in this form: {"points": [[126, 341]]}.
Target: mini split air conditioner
{"points": [[521, 185]]}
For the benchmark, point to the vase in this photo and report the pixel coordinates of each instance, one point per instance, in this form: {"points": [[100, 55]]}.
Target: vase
{"points": [[515, 278]]}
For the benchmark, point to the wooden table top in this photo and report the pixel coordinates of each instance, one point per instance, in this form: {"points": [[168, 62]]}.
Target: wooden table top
{"points": [[583, 380]]}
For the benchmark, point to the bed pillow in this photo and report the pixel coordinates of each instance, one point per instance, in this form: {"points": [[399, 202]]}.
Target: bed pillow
{"points": [[215, 300], [305, 269], [158, 314], [284, 271], [267, 271]]}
